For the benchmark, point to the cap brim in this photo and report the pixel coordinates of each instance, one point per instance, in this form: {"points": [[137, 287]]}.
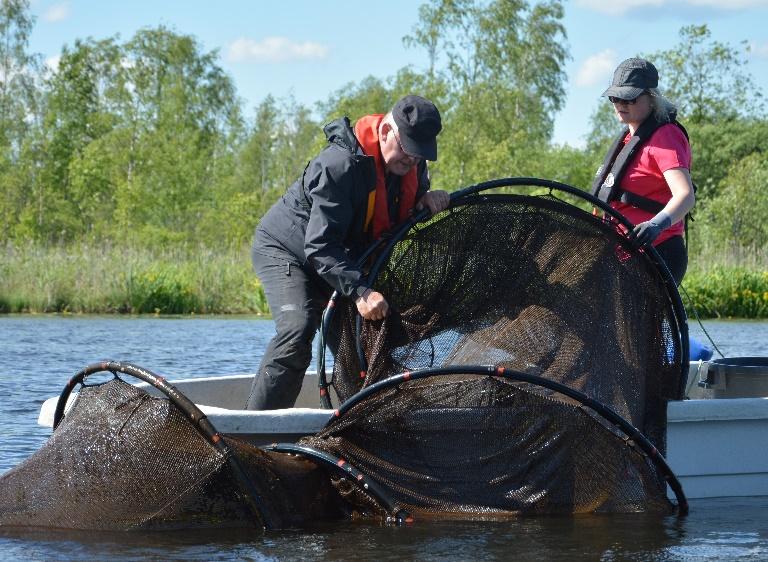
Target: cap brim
{"points": [[425, 149], [624, 92]]}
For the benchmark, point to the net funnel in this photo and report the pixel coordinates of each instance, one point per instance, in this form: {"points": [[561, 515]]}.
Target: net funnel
{"points": [[530, 282], [124, 460], [488, 442]]}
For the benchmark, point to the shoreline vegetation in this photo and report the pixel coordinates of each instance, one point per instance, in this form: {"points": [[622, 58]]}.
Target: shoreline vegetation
{"points": [[107, 279], [132, 174]]}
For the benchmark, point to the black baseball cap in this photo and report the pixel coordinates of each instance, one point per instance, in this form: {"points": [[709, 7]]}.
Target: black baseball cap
{"points": [[418, 123], [631, 78]]}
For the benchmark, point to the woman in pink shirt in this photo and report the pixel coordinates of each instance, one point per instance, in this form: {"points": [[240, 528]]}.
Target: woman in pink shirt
{"points": [[646, 174]]}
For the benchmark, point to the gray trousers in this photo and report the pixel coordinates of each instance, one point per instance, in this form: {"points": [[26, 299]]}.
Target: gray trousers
{"points": [[296, 297]]}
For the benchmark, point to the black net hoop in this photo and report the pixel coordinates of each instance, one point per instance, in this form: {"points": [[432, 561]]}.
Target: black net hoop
{"points": [[529, 282], [378, 495], [575, 455], [262, 513], [124, 460], [382, 252]]}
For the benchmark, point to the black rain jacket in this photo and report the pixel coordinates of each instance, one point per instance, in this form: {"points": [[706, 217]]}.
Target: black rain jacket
{"points": [[320, 220]]}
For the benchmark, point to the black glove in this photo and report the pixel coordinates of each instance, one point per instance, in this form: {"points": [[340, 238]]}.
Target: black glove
{"points": [[648, 231]]}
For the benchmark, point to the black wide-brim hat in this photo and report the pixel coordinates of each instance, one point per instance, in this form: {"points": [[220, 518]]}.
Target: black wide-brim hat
{"points": [[418, 123], [631, 78]]}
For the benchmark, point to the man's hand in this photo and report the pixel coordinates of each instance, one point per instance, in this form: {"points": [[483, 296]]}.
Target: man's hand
{"points": [[648, 231], [435, 201], [372, 305]]}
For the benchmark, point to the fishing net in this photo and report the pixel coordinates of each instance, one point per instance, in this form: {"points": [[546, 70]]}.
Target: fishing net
{"points": [[485, 447], [124, 460], [527, 282]]}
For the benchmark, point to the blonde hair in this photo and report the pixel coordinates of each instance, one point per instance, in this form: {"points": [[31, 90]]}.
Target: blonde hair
{"points": [[663, 109]]}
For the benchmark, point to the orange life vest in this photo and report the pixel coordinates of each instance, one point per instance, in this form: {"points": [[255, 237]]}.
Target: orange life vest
{"points": [[377, 214]]}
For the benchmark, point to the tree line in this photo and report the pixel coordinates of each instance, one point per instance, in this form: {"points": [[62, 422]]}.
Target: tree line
{"points": [[144, 142]]}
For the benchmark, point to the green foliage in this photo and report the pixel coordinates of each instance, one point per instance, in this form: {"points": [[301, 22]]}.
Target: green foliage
{"points": [[564, 164], [737, 218], [706, 78], [717, 147], [502, 82], [134, 139], [18, 88], [141, 145], [20, 97], [371, 96], [85, 278], [163, 291], [728, 292]]}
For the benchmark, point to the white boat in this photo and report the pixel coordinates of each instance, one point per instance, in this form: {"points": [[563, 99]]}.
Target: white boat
{"points": [[717, 439]]}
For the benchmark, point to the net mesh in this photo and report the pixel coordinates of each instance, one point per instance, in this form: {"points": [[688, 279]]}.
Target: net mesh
{"points": [[123, 460], [484, 447], [530, 283], [525, 282]]}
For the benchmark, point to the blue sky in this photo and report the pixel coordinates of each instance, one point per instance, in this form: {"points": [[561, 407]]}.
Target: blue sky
{"points": [[308, 49]]}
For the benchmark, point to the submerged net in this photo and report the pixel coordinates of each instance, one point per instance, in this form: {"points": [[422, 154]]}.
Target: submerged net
{"points": [[530, 283], [123, 460], [470, 446]]}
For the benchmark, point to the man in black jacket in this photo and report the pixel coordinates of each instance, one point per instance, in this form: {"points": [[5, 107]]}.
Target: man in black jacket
{"points": [[366, 180]]}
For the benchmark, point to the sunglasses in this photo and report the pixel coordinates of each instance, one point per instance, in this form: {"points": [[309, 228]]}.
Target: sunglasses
{"points": [[614, 99]]}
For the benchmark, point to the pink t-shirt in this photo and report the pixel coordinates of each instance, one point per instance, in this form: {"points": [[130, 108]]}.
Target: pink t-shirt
{"points": [[666, 149]]}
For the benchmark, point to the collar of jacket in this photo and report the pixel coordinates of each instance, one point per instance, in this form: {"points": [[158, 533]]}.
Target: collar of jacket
{"points": [[339, 132], [377, 215]]}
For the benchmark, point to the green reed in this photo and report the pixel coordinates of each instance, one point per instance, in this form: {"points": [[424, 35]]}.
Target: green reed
{"points": [[110, 279], [724, 291], [98, 279]]}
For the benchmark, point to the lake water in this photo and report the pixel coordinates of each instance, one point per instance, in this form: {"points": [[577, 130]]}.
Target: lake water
{"points": [[38, 355]]}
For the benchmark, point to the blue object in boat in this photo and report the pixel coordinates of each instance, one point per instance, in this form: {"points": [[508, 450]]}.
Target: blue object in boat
{"points": [[698, 351]]}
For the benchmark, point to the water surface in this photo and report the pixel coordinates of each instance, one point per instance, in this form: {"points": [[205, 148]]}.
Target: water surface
{"points": [[38, 354]]}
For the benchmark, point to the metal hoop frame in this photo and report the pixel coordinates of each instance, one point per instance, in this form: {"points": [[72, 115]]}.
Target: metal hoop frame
{"points": [[490, 370], [338, 464], [266, 518], [466, 196]]}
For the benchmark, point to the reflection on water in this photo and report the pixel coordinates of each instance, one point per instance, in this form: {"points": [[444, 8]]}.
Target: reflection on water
{"points": [[715, 530], [39, 354]]}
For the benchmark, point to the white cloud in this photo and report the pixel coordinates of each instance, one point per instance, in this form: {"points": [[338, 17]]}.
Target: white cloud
{"points": [[53, 62], [620, 7], [617, 7], [274, 49], [597, 68], [57, 12], [730, 4], [759, 50]]}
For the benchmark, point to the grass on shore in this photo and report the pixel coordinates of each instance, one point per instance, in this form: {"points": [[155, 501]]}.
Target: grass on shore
{"points": [[109, 279], [99, 279], [728, 292]]}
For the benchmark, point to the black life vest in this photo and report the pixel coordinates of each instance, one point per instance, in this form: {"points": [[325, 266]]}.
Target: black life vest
{"points": [[606, 185]]}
